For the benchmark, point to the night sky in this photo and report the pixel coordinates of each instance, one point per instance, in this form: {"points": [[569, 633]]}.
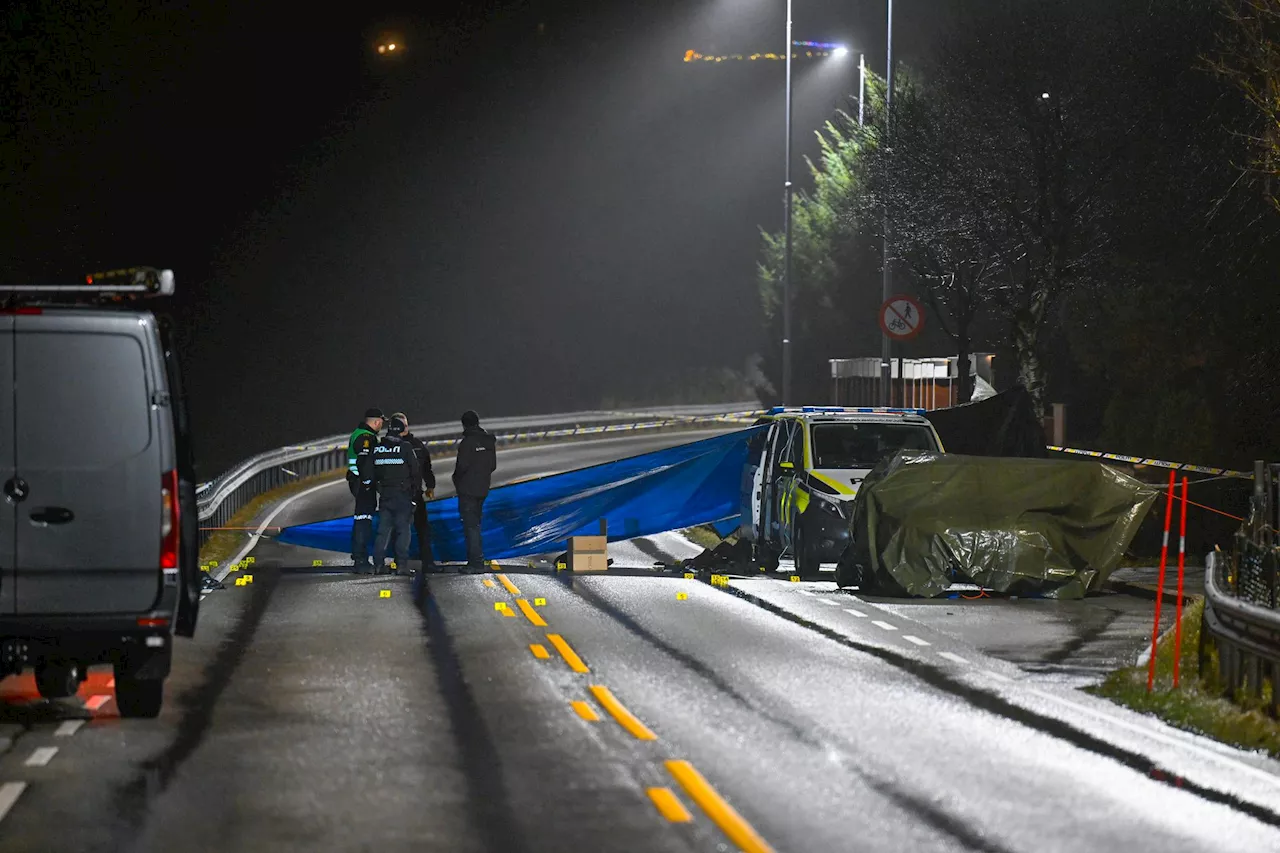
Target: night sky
{"points": [[531, 207]]}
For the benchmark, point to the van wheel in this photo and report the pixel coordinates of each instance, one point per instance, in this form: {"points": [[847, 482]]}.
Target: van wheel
{"points": [[766, 557], [58, 679], [137, 697], [807, 565]]}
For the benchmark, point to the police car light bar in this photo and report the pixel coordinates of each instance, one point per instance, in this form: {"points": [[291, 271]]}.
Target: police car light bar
{"points": [[143, 281], [848, 410]]}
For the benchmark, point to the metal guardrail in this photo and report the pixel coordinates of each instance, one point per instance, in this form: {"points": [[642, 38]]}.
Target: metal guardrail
{"points": [[220, 499], [1242, 600]]}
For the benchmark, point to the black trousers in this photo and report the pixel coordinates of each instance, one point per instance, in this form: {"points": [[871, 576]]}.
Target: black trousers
{"points": [[362, 528], [470, 509], [395, 520], [423, 529]]}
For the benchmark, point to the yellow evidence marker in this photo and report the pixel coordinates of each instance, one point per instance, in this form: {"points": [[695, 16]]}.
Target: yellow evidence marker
{"points": [[540, 602], [250, 560], [315, 563], [248, 579], [795, 579], [239, 581], [689, 576], [682, 596], [384, 593]]}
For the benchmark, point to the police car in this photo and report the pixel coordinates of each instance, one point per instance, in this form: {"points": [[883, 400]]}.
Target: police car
{"points": [[803, 473]]}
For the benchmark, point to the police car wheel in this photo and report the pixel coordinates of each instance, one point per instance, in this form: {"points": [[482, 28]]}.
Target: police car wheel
{"points": [[766, 557], [138, 697], [807, 565], [58, 679]]}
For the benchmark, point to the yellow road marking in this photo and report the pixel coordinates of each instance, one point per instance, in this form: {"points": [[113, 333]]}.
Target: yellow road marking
{"points": [[532, 615], [586, 712], [490, 584], [730, 822], [539, 651], [668, 805], [511, 588], [566, 652], [619, 712], [501, 607]]}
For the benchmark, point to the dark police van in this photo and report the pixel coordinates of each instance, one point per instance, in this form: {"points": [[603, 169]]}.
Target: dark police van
{"points": [[99, 544]]}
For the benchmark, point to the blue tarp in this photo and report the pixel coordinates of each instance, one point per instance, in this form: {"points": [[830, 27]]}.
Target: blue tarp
{"points": [[683, 486]]}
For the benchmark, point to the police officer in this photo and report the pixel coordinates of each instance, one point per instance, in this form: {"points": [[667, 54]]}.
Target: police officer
{"points": [[477, 460], [399, 479], [425, 493], [360, 479]]}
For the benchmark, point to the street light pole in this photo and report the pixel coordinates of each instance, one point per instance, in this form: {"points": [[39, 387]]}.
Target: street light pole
{"points": [[786, 263], [862, 85], [886, 345]]}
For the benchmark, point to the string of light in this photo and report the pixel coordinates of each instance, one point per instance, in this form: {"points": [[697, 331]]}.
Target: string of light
{"points": [[695, 56]]}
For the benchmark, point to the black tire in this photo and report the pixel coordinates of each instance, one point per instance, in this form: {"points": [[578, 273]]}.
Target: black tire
{"points": [[58, 679], [139, 697], [847, 575], [807, 564], [766, 557]]}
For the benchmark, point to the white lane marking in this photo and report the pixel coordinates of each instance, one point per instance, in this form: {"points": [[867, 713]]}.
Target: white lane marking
{"points": [[9, 793], [68, 728], [111, 683], [41, 756], [996, 675], [857, 613], [257, 534], [93, 703], [804, 592], [884, 625], [952, 656], [916, 640], [829, 601]]}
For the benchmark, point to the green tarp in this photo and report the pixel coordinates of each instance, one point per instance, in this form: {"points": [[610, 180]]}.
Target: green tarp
{"points": [[924, 520]]}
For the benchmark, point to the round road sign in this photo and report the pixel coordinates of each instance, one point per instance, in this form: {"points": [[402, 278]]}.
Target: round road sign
{"points": [[901, 318]]}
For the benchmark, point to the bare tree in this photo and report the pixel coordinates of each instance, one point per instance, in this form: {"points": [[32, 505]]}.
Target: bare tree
{"points": [[1249, 57]]}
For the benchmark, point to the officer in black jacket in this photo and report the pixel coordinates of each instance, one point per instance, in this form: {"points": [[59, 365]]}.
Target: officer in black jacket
{"points": [[399, 479], [477, 460], [360, 480], [425, 493]]}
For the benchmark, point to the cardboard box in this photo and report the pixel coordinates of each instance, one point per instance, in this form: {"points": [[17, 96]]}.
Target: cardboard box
{"points": [[589, 553]]}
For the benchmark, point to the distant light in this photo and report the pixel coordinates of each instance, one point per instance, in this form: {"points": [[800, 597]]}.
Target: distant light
{"points": [[392, 46], [382, 48], [840, 52], [1044, 96]]}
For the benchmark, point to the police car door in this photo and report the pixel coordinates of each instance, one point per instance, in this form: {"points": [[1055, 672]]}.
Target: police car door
{"points": [[790, 469], [753, 485]]}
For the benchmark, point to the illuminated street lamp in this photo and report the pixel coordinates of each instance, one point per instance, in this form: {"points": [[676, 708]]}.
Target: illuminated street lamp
{"points": [[838, 51]]}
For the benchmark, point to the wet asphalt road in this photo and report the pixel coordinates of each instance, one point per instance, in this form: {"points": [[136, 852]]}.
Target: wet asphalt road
{"points": [[313, 713]]}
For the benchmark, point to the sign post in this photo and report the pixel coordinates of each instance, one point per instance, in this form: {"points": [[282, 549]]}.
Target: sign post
{"points": [[901, 319]]}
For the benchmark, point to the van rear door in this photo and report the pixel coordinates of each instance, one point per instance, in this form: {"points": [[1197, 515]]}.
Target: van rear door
{"points": [[11, 487], [89, 446]]}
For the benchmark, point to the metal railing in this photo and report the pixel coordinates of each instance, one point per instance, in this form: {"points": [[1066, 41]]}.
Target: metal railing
{"points": [[1242, 604], [220, 499]]}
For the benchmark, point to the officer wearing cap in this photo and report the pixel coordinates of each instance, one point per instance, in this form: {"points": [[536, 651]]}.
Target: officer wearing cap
{"points": [[360, 479], [399, 479], [426, 492]]}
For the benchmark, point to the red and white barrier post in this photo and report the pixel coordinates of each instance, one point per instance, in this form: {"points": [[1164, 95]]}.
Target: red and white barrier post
{"points": [[1164, 558], [1182, 557]]}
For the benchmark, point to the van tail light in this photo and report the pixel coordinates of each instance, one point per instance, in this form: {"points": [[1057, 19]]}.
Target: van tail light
{"points": [[170, 529]]}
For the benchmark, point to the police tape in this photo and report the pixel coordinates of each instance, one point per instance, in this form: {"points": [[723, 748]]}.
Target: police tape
{"points": [[1153, 463]]}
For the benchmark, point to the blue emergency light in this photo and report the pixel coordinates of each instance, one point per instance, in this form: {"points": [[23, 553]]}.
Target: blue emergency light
{"points": [[845, 410]]}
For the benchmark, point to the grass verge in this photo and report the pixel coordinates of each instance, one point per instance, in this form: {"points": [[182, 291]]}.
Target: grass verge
{"points": [[1198, 705], [705, 535], [222, 545]]}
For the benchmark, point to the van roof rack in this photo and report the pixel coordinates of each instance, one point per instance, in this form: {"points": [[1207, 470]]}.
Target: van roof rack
{"points": [[112, 285]]}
